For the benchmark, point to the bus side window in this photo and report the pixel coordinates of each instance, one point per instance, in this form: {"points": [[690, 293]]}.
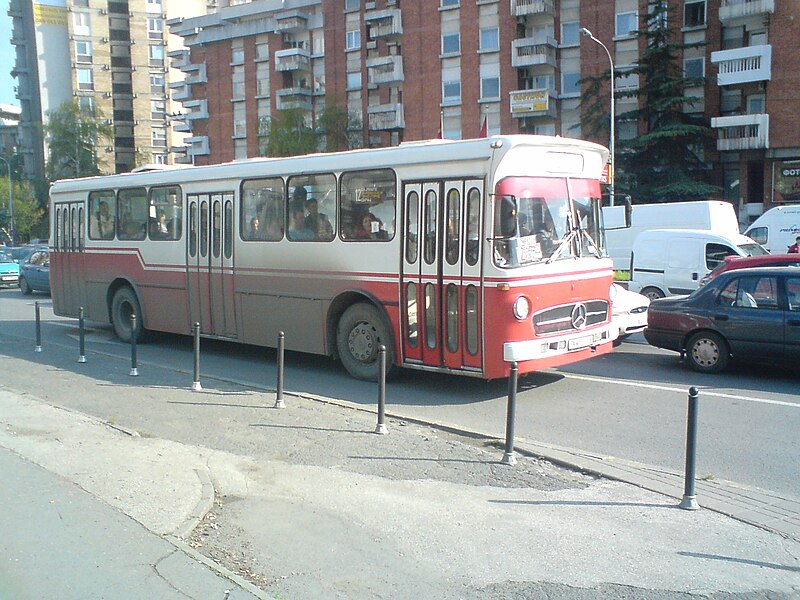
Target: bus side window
{"points": [[473, 242], [368, 205], [132, 222], [261, 210], [102, 215]]}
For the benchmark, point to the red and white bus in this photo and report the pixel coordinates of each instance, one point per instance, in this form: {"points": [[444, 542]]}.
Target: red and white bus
{"points": [[458, 256]]}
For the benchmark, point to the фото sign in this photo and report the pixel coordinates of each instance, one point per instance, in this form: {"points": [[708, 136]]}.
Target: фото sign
{"points": [[787, 181]]}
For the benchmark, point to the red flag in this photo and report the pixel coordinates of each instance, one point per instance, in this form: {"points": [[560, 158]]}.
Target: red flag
{"points": [[484, 127]]}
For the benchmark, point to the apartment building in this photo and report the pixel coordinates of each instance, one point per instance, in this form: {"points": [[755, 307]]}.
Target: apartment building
{"points": [[9, 126], [110, 55]]}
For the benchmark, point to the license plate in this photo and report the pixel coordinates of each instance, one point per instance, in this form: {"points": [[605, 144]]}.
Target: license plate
{"points": [[580, 342], [9, 278]]}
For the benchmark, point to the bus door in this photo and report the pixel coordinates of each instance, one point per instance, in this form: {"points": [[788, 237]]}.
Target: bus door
{"points": [[209, 263], [70, 267], [461, 276], [410, 281]]}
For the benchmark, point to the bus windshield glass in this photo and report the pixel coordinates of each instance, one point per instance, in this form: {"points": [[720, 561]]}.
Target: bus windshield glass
{"points": [[535, 220]]}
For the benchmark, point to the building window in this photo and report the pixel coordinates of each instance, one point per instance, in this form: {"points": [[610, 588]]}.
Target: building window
{"points": [[626, 79], [490, 88], [451, 91], [155, 28], [156, 83], [353, 40], [694, 67], [237, 79], [237, 56], [569, 84], [262, 51], [86, 104], [570, 33], [352, 4], [490, 39], [159, 137], [694, 14], [85, 79], [626, 24], [157, 109], [354, 81], [159, 158], [153, 5], [755, 104], [240, 128], [446, 3], [83, 51], [451, 43], [156, 52], [80, 24]]}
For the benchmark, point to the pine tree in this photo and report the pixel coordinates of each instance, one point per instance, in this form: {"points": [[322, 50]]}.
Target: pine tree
{"points": [[663, 163]]}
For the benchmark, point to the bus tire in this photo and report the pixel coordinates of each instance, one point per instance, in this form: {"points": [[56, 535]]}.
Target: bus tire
{"points": [[359, 333], [24, 287], [123, 305]]}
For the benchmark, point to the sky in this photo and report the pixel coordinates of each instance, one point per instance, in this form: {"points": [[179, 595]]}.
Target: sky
{"points": [[7, 57]]}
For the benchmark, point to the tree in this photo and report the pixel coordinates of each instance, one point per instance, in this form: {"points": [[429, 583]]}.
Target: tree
{"points": [[340, 129], [73, 136], [286, 134], [27, 213], [664, 162]]}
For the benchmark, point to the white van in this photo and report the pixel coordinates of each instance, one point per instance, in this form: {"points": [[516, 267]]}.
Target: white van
{"points": [[667, 262], [716, 216], [777, 228]]}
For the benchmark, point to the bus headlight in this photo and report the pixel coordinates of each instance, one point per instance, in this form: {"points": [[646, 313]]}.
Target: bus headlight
{"points": [[522, 308]]}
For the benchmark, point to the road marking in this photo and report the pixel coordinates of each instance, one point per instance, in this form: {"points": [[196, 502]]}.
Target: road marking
{"points": [[667, 388]]}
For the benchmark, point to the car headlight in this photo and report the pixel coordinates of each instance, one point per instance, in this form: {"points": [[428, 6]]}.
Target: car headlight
{"points": [[522, 308]]}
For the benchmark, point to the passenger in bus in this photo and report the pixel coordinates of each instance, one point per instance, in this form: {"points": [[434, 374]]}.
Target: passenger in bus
{"points": [[161, 224], [312, 218], [297, 226], [255, 233], [324, 228], [104, 221], [363, 229]]}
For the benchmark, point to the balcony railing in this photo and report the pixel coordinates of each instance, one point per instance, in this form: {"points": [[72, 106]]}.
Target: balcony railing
{"points": [[743, 65], [521, 8], [382, 23], [385, 69], [198, 145], [742, 132], [294, 97], [534, 103], [526, 52], [736, 9], [180, 91], [293, 59], [289, 22], [386, 116]]}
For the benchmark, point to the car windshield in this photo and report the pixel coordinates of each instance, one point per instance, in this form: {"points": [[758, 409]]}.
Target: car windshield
{"points": [[5, 258], [753, 249]]}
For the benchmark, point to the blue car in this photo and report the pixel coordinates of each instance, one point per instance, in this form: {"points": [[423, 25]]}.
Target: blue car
{"points": [[34, 272], [9, 270]]}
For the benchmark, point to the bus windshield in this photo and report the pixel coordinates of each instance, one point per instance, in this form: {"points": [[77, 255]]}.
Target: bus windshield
{"points": [[547, 226]]}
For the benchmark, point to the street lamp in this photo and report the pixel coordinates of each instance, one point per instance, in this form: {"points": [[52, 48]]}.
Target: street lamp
{"points": [[586, 33], [10, 201]]}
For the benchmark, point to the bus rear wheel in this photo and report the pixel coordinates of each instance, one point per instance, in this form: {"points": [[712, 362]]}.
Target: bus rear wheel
{"points": [[359, 334], [123, 305]]}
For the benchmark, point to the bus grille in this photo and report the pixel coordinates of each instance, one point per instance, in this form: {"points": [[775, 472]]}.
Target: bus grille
{"points": [[560, 318]]}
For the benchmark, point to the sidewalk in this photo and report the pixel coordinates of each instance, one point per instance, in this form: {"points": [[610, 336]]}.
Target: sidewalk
{"points": [[307, 502]]}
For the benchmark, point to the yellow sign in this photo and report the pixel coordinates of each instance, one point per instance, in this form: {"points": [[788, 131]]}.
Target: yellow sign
{"points": [[49, 15], [530, 101]]}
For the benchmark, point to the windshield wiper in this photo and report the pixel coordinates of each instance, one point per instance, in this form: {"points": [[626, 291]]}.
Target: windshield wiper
{"points": [[564, 243]]}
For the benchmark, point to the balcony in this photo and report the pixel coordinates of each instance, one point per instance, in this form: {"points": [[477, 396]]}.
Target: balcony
{"points": [[534, 103], [383, 23], [180, 58], [195, 74], [197, 109], [737, 9], [743, 65], [522, 8], [527, 52], [293, 59], [386, 116], [198, 145], [181, 127], [742, 132], [291, 22], [385, 69], [293, 97], [180, 91]]}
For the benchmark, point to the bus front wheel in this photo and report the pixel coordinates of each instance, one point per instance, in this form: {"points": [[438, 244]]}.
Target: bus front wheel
{"points": [[123, 305], [359, 334]]}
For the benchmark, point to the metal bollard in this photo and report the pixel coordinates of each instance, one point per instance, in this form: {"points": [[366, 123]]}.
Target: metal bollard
{"points": [[279, 389], [81, 337], [689, 501], [38, 328], [134, 370], [196, 387], [381, 427], [508, 457]]}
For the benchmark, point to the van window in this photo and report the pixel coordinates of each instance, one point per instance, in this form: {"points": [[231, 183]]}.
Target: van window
{"points": [[716, 253], [758, 234]]}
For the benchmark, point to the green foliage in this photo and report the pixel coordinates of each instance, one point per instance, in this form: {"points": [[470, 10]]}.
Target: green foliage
{"points": [[340, 129], [286, 133], [73, 137], [27, 213], [664, 162]]}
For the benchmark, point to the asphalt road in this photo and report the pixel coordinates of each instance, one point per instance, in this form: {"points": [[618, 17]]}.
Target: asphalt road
{"points": [[630, 404]]}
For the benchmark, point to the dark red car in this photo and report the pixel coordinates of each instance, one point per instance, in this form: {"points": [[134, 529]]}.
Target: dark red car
{"points": [[745, 262]]}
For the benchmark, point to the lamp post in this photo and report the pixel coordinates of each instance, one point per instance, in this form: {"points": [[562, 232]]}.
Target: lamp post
{"points": [[586, 33], [10, 201]]}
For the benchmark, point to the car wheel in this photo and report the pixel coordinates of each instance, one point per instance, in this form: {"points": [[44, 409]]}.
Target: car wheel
{"points": [[123, 305], [707, 352], [24, 287], [361, 330], [653, 293]]}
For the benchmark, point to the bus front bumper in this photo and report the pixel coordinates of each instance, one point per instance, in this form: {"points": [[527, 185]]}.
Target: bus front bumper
{"points": [[558, 345]]}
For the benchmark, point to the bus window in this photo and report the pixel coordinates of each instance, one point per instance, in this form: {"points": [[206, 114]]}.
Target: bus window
{"points": [[204, 227], [472, 319], [261, 210], [412, 227], [102, 215], [193, 227], [367, 205], [57, 230], [165, 213], [132, 214], [429, 224], [228, 235], [412, 328], [81, 229], [453, 227], [451, 306], [430, 316], [216, 224], [65, 229], [473, 226], [312, 208], [73, 237]]}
